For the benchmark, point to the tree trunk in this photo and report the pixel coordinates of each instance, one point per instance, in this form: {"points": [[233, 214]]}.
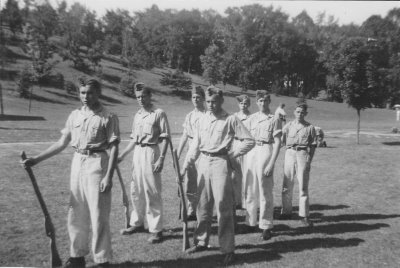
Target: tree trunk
{"points": [[30, 99], [358, 126]]}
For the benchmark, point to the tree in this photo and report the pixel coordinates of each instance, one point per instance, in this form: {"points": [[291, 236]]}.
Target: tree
{"points": [[43, 19], [356, 75], [211, 64], [12, 16]]}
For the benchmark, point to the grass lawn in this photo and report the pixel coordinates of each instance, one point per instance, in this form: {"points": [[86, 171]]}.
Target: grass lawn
{"points": [[354, 189]]}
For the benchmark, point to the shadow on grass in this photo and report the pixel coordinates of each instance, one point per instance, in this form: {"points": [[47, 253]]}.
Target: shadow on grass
{"points": [[355, 217], [8, 74], [318, 207], [10, 117], [392, 143], [331, 229], [111, 78], [67, 96], [109, 99], [43, 99], [259, 253]]}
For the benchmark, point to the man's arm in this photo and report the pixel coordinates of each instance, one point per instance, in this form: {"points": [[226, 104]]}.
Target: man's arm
{"points": [[127, 150], [159, 164], [275, 152], [54, 149], [182, 143], [106, 182]]}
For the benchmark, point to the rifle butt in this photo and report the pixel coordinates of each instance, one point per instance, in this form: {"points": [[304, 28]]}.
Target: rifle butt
{"points": [[55, 259]]}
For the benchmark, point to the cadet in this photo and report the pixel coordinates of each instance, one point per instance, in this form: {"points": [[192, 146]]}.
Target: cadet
{"points": [[280, 113], [189, 127], [91, 130], [267, 131], [212, 142], [320, 137], [150, 127], [300, 139], [238, 162]]}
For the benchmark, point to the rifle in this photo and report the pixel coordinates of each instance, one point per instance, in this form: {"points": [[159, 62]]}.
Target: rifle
{"points": [[125, 200], [55, 259], [183, 210]]}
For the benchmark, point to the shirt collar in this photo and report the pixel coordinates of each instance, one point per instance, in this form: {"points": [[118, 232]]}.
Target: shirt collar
{"points": [[87, 112], [221, 115]]}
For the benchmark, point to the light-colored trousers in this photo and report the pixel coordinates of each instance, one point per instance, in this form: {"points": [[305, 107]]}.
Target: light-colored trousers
{"points": [[259, 188], [237, 175], [89, 207], [296, 166], [215, 186], [146, 189], [191, 186]]}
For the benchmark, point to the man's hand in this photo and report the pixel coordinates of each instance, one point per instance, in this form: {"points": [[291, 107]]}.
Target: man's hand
{"points": [[269, 169], [105, 184], [29, 162], [158, 165]]}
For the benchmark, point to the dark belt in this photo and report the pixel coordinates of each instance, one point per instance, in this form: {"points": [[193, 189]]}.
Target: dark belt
{"points": [[261, 143], [145, 144], [190, 137], [88, 151], [214, 154], [297, 148]]}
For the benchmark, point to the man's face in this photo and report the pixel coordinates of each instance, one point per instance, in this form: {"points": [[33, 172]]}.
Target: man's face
{"points": [[89, 96], [263, 104], [300, 113], [244, 106], [214, 103], [144, 100], [197, 100]]}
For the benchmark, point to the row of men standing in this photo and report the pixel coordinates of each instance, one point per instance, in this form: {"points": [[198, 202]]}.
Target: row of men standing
{"points": [[219, 144]]}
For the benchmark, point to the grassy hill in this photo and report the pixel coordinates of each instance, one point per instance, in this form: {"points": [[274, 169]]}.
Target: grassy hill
{"points": [[53, 105], [354, 189]]}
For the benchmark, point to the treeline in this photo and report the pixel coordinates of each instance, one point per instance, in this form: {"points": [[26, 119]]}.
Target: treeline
{"points": [[252, 46]]}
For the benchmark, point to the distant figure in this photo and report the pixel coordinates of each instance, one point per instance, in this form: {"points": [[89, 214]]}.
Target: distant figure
{"points": [[280, 113], [320, 137], [397, 107]]}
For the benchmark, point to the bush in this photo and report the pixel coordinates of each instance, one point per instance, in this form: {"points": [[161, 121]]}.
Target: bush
{"points": [[395, 130], [71, 88], [127, 85], [56, 80], [24, 82], [177, 80]]}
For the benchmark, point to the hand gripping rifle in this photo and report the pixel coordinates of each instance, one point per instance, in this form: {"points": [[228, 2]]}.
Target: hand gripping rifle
{"points": [[183, 211], [125, 200], [55, 259]]}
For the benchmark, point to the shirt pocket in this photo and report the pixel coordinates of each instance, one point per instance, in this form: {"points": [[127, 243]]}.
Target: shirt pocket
{"points": [[266, 133], [148, 129]]}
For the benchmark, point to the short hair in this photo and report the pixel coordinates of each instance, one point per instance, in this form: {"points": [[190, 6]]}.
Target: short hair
{"points": [[242, 98], [302, 105], [198, 90], [211, 91], [140, 87], [262, 94], [91, 82]]}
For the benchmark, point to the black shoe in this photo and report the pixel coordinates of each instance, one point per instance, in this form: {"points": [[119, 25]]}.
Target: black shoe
{"points": [[133, 229], [75, 262], [229, 258], [304, 221], [156, 238], [285, 217], [266, 234], [103, 265], [247, 229], [196, 248], [192, 217]]}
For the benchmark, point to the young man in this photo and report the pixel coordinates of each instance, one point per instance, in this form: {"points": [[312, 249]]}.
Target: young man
{"points": [[238, 163], [267, 131], [150, 127], [300, 139], [92, 130], [280, 113], [189, 128], [212, 142]]}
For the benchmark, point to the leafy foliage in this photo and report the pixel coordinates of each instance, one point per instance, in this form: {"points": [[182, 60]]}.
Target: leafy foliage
{"points": [[127, 85], [176, 80]]}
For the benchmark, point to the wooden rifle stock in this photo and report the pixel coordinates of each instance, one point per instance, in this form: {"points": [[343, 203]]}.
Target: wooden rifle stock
{"points": [[183, 210], [125, 200], [55, 259]]}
